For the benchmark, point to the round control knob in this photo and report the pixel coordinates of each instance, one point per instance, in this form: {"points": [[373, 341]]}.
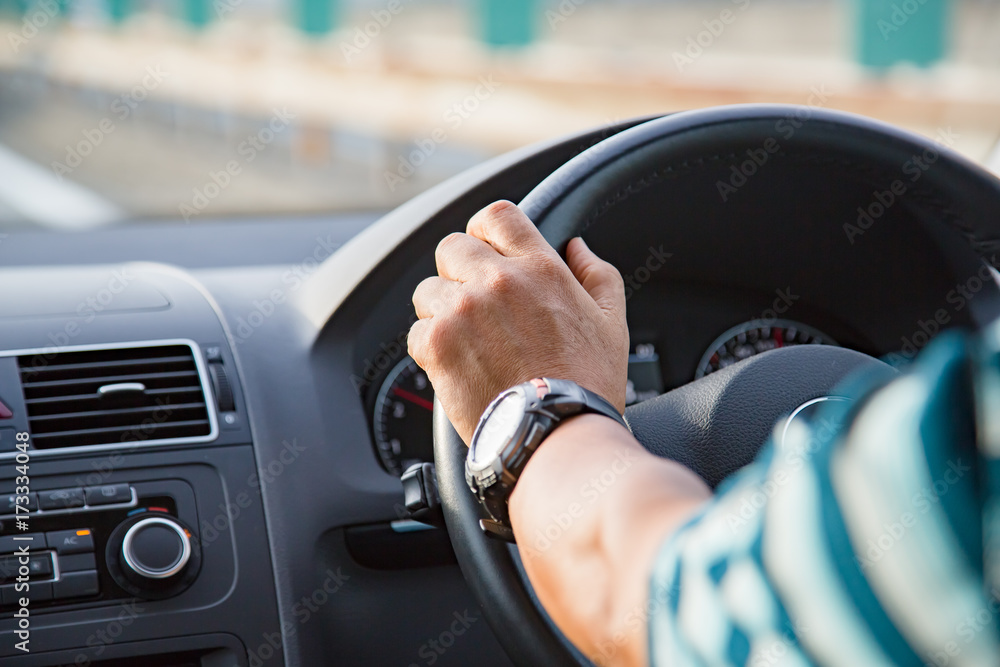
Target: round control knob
{"points": [[153, 555], [156, 548]]}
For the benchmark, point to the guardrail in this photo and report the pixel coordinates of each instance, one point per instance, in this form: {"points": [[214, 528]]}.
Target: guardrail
{"points": [[884, 32]]}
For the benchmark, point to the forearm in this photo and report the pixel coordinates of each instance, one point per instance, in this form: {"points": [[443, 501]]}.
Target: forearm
{"points": [[589, 513]]}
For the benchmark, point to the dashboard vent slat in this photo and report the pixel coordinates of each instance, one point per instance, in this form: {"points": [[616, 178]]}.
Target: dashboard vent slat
{"points": [[66, 410], [165, 378], [102, 368]]}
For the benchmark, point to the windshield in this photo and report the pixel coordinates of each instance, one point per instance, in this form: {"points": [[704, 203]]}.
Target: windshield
{"points": [[123, 111]]}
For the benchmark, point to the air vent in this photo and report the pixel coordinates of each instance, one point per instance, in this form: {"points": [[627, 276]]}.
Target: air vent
{"points": [[125, 395]]}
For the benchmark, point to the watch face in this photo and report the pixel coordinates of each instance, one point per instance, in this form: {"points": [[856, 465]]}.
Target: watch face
{"points": [[499, 427]]}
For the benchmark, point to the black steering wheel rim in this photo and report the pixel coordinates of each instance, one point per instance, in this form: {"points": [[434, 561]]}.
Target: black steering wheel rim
{"points": [[957, 195]]}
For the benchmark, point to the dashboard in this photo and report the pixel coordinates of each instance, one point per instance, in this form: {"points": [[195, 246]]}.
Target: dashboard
{"points": [[678, 332], [216, 417], [400, 402]]}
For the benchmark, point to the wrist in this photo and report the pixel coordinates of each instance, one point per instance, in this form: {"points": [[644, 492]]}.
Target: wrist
{"points": [[612, 392], [568, 451], [513, 428]]}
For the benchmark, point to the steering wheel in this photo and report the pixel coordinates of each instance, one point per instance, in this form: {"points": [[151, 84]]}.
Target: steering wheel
{"points": [[714, 425]]}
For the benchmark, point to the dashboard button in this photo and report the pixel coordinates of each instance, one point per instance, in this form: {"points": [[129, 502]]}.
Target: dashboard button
{"points": [[39, 591], [230, 421], [10, 503], [11, 543], [156, 548], [152, 555], [71, 541], [108, 494], [60, 499], [77, 562], [39, 565], [76, 585]]}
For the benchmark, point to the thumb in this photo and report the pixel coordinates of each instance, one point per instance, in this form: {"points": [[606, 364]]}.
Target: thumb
{"points": [[601, 280]]}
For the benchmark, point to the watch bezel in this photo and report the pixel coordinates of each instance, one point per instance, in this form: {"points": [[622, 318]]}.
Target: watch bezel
{"points": [[496, 464]]}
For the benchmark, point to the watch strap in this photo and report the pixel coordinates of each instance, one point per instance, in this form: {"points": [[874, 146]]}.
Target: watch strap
{"points": [[578, 400]]}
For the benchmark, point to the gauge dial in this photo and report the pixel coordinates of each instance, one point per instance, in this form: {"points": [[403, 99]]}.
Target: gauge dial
{"points": [[750, 338], [402, 422]]}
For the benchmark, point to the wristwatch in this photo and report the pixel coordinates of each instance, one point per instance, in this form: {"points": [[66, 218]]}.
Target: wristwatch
{"points": [[509, 432]]}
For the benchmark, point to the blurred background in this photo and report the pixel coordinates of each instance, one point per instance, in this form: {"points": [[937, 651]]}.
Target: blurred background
{"points": [[123, 111]]}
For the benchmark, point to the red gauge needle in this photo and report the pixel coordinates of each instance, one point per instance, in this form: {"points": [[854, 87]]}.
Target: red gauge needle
{"points": [[779, 337], [413, 398]]}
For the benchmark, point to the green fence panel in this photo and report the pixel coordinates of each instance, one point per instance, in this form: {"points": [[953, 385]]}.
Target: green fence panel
{"points": [[318, 17], [508, 22], [196, 13], [118, 10], [23, 7], [894, 31]]}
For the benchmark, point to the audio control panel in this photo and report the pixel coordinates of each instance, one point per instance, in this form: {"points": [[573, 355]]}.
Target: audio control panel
{"points": [[99, 544], [57, 565]]}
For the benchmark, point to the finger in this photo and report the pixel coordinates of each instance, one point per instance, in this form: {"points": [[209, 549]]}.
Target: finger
{"points": [[416, 342], [602, 281], [460, 256], [433, 295], [505, 227]]}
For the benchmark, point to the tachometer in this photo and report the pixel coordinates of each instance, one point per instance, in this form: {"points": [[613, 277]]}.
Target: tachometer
{"points": [[402, 422], [750, 338]]}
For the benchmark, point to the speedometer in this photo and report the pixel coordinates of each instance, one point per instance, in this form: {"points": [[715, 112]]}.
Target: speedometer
{"points": [[750, 338], [402, 422]]}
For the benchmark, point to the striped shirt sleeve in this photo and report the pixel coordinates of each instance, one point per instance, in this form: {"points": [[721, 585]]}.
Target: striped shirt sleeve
{"points": [[855, 539]]}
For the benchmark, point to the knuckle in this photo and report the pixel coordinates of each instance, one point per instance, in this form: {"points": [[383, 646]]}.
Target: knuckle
{"points": [[502, 281], [423, 288], [437, 305], [500, 209], [427, 283], [448, 242], [495, 215], [607, 271], [612, 274], [548, 267], [466, 302]]}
